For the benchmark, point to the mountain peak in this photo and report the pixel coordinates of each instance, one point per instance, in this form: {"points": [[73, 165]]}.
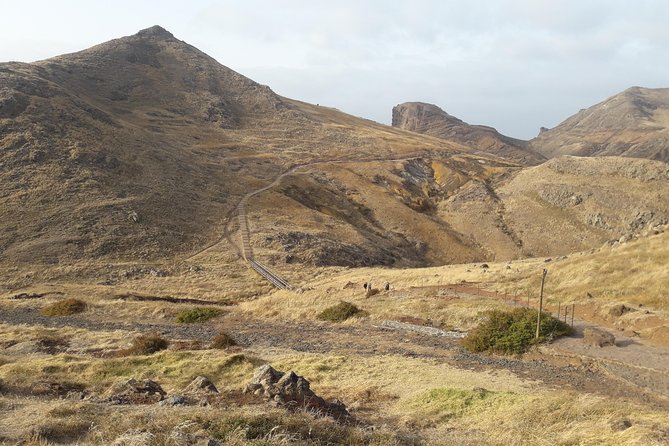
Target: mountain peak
{"points": [[632, 123], [155, 31], [413, 115], [432, 120]]}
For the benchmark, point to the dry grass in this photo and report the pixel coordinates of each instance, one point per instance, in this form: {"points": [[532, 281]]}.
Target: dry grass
{"points": [[340, 312], [147, 344], [64, 307], [198, 315], [542, 418], [634, 272], [222, 341]]}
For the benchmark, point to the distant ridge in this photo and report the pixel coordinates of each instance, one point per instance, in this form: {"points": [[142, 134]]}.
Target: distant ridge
{"points": [[634, 123], [431, 120]]}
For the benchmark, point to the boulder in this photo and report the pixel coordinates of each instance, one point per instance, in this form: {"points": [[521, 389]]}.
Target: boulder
{"points": [[598, 337], [201, 385], [135, 391], [292, 391], [619, 310]]}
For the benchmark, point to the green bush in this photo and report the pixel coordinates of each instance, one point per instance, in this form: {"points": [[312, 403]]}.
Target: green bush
{"points": [[340, 312], [64, 307], [513, 331], [198, 315], [147, 344]]}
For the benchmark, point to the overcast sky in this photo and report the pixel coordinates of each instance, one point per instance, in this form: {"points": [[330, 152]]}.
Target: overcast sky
{"points": [[513, 64]]}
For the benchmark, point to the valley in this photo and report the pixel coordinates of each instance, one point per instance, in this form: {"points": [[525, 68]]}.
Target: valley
{"points": [[165, 218]]}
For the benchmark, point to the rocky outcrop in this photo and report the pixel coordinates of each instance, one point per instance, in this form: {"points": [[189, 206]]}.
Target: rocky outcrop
{"points": [[134, 391], [201, 385], [291, 391], [431, 120]]}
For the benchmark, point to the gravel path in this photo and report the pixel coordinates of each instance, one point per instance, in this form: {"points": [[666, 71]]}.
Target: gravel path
{"points": [[367, 340]]}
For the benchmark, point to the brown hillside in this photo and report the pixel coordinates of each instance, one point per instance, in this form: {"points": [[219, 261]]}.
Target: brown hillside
{"points": [[142, 147], [634, 123], [432, 120]]}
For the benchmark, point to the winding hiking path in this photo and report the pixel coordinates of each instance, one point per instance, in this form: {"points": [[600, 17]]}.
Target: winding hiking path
{"points": [[245, 251]]}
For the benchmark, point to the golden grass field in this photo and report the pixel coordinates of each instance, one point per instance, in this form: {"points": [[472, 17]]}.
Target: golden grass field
{"points": [[123, 169], [430, 398]]}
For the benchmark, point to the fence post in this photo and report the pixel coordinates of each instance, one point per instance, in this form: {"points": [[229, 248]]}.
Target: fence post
{"points": [[573, 307], [541, 302]]}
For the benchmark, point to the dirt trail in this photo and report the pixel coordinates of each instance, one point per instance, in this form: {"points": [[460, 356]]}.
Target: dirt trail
{"points": [[245, 251], [631, 360], [364, 339]]}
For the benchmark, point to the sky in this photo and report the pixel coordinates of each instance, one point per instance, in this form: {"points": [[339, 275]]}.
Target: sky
{"points": [[516, 65]]}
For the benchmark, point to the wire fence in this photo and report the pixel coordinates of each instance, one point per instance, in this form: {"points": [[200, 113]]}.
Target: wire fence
{"points": [[562, 311]]}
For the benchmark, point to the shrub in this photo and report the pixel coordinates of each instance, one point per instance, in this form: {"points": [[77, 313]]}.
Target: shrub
{"points": [[340, 312], [51, 343], [64, 307], [222, 341], [147, 344], [512, 332], [197, 315]]}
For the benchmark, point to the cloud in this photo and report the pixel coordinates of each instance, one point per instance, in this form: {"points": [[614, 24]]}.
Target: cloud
{"points": [[512, 64]]}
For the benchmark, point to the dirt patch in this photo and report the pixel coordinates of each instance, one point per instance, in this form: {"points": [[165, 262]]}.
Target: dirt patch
{"points": [[170, 299]]}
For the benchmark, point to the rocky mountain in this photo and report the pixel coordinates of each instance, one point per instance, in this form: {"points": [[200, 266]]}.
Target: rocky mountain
{"points": [[634, 123], [141, 148], [432, 120]]}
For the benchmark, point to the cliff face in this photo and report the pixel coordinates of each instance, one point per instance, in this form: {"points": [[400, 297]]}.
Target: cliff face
{"points": [[634, 123], [431, 120]]}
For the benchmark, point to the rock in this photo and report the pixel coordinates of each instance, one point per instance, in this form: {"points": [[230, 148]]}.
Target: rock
{"points": [[135, 439], [619, 310], [199, 385], [598, 337], [597, 220], [178, 400], [291, 391], [133, 391]]}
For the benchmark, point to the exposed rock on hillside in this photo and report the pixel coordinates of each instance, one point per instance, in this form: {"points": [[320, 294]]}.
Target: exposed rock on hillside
{"points": [[432, 120], [291, 391], [135, 391], [634, 123]]}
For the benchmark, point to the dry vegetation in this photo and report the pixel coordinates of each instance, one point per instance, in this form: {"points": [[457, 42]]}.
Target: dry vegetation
{"points": [[148, 249], [408, 399]]}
